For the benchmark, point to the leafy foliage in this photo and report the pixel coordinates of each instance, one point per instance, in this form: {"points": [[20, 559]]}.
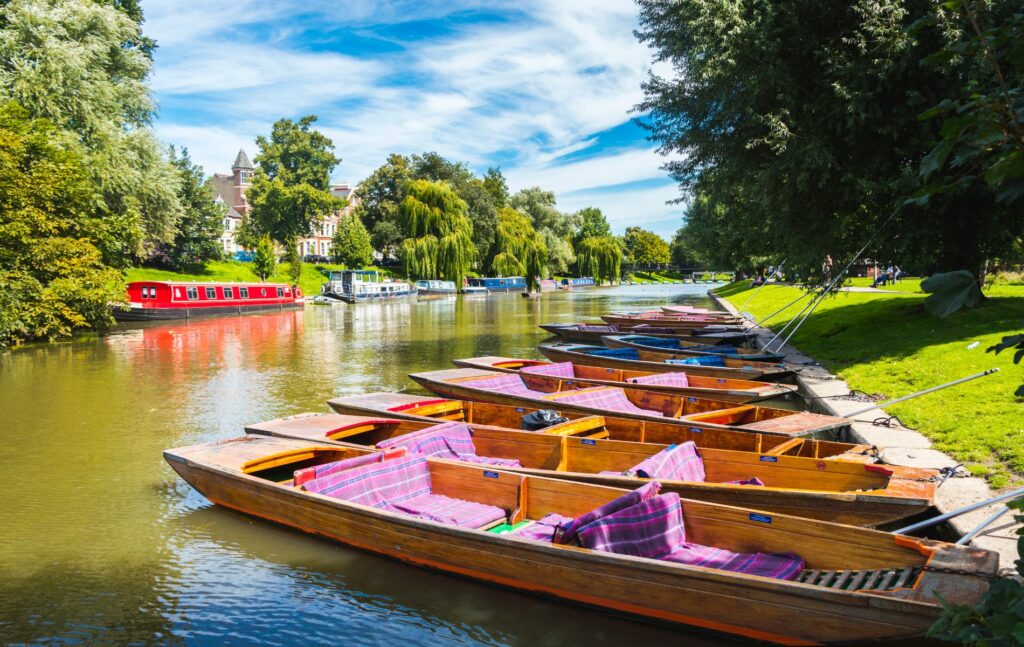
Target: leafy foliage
{"points": [[951, 291], [83, 66], [52, 272], [1006, 343], [264, 260], [999, 619], [797, 136], [439, 235], [645, 248], [600, 257], [590, 223], [198, 232], [351, 243], [682, 252], [521, 251]]}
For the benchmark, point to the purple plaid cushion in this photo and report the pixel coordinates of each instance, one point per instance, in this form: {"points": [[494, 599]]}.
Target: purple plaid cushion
{"points": [[543, 529], [308, 474], [377, 484], [675, 462], [609, 398], [663, 379], [555, 369], [646, 491], [452, 440], [781, 566], [750, 481], [651, 528], [442, 509], [508, 384]]}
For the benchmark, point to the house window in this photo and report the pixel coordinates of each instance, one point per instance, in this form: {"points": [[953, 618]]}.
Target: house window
{"points": [[243, 293], [211, 293], [193, 293], [229, 293], [227, 223], [280, 292]]}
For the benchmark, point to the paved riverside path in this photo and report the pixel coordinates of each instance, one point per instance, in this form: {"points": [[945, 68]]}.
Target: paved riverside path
{"points": [[899, 445]]}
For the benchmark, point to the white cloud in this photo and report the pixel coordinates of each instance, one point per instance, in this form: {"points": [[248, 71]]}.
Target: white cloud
{"points": [[541, 84]]}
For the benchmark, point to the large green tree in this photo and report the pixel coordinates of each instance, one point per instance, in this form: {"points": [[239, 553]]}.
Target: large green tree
{"points": [[590, 223], [645, 248], [83, 66], [351, 243], [600, 257], [52, 272], [480, 204], [518, 249], [438, 233], [196, 239], [290, 193], [555, 227], [801, 127], [379, 197]]}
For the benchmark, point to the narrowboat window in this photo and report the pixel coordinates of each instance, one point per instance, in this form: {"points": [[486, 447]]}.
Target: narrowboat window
{"points": [[145, 293], [288, 291], [177, 293], [229, 293], [193, 293], [211, 293], [280, 292], [263, 291], [243, 293]]}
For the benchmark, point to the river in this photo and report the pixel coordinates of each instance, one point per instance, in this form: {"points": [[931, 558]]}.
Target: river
{"points": [[102, 544]]}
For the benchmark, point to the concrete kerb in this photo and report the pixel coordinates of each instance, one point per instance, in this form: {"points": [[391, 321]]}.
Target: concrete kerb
{"points": [[899, 445]]}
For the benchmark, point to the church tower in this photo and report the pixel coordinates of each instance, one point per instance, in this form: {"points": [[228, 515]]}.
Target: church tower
{"points": [[242, 171]]}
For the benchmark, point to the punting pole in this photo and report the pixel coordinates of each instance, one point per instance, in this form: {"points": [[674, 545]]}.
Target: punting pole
{"points": [[770, 277], [927, 523], [966, 539], [879, 405]]}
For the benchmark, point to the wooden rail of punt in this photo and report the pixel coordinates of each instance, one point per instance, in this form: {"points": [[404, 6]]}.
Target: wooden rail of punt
{"points": [[235, 474], [848, 492]]}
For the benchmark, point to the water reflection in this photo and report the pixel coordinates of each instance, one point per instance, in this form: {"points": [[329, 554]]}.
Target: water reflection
{"points": [[102, 544]]}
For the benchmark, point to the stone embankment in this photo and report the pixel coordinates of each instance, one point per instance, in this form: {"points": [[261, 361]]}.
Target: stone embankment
{"points": [[899, 445]]}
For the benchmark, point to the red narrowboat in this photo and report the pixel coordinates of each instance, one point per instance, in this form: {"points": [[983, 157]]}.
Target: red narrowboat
{"points": [[151, 300]]}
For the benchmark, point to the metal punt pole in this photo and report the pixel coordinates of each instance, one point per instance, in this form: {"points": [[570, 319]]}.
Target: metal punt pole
{"points": [[927, 523], [879, 405]]}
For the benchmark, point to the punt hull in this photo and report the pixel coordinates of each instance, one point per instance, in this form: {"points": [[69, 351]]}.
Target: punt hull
{"points": [[784, 613], [566, 354], [725, 394]]}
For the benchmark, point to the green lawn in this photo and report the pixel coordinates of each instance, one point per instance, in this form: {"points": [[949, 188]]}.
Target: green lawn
{"points": [[311, 280], [887, 343]]}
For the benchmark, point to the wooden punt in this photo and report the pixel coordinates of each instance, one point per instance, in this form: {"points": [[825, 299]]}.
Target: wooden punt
{"points": [[858, 584], [712, 316], [476, 384], [425, 408], [749, 356], [578, 332], [859, 494], [655, 363], [665, 321], [716, 388]]}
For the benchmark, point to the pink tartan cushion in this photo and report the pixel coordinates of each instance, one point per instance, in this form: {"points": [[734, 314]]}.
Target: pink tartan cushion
{"points": [[646, 491], [508, 384], [652, 528], [781, 566], [543, 529], [675, 463], [455, 512], [677, 379], [556, 369], [610, 398], [310, 473], [452, 440], [377, 484]]}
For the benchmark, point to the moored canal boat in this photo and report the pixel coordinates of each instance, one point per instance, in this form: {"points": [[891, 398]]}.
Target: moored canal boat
{"points": [[844, 492], [499, 284], [679, 382], [540, 390], [157, 300], [645, 360], [435, 288], [733, 570], [354, 286]]}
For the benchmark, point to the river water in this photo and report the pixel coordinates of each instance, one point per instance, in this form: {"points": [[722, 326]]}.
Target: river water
{"points": [[101, 543]]}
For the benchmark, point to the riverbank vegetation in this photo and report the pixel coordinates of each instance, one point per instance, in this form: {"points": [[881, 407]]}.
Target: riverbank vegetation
{"points": [[887, 343]]}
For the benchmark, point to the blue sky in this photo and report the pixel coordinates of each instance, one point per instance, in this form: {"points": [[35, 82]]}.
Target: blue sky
{"points": [[541, 88]]}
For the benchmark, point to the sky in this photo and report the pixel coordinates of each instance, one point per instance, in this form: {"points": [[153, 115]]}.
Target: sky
{"points": [[542, 89]]}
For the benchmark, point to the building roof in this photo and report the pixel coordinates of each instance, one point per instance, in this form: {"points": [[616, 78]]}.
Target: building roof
{"points": [[241, 160]]}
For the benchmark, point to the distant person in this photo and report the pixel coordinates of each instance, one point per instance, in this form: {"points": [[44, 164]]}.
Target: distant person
{"points": [[881, 278]]}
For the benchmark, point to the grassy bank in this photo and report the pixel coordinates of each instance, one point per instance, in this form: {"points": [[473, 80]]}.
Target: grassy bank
{"points": [[311, 279], [886, 343]]}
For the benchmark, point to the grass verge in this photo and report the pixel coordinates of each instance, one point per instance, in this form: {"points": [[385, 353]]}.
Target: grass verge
{"points": [[887, 343]]}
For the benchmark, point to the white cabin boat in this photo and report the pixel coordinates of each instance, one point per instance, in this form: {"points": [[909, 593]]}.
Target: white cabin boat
{"points": [[353, 286]]}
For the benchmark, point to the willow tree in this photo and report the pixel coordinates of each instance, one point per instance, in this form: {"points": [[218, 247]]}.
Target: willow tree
{"points": [[600, 257], [518, 249], [438, 233]]}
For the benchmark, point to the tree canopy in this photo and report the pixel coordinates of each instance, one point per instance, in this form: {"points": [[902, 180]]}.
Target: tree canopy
{"points": [[645, 248], [797, 132], [438, 234], [520, 251], [351, 243]]}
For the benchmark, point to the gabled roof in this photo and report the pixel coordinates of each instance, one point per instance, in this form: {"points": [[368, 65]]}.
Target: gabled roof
{"points": [[241, 160]]}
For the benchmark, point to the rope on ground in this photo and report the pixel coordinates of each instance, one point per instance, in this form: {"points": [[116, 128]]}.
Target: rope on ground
{"points": [[891, 422], [853, 395]]}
